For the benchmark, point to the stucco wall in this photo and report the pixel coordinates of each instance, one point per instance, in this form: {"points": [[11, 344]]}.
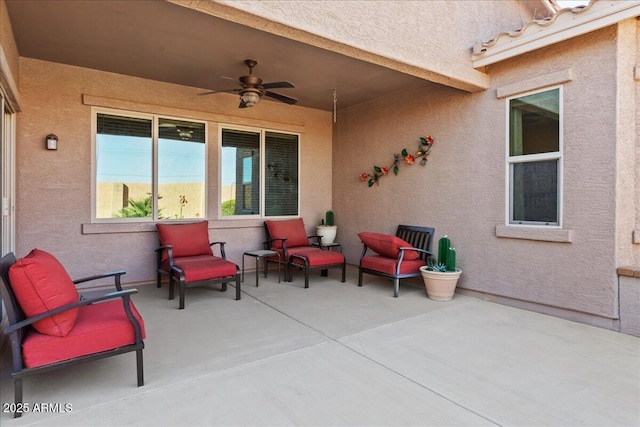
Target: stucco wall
{"points": [[627, 162], [54, 187], [461, 191], [636, 188], [434, 36]]}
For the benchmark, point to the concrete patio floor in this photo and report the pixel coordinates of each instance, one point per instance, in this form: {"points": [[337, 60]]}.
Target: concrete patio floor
{"points": [[337, 354]]}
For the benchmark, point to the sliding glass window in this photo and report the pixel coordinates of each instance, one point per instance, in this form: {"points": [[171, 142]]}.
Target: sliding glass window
{"points": [[149, 167], [259, 173]]}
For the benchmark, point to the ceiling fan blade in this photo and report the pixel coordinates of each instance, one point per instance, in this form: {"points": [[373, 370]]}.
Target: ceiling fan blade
{"points": [[281, 98], [219, 91], [278, 85]]}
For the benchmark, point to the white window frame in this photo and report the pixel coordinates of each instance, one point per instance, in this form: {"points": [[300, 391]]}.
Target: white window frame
{"points": [[154, 168], [512, 160], [262, 132], [7, 180]]}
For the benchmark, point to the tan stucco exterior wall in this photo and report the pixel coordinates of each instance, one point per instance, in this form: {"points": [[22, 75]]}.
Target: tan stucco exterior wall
{"points": [[628, 163], [636, 188], [461, 191], [54, 187]]}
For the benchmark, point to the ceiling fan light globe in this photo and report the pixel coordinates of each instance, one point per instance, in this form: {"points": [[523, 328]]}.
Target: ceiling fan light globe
{"points": [[250, 98]]}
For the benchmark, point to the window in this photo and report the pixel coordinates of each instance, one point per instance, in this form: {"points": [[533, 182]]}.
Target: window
{"points": [[535, 158], [149, 167], [259, 173]]}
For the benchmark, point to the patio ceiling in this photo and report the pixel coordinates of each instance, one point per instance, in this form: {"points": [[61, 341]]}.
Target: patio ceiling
{"points": [[166, 42]]}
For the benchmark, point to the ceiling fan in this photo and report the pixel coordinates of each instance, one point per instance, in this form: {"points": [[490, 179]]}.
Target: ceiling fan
{"points": [[252, 89]]}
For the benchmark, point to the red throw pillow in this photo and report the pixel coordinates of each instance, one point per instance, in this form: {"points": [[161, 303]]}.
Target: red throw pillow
{"points": [[291, 229], [187, 239], [40, 283], [387, 245]]}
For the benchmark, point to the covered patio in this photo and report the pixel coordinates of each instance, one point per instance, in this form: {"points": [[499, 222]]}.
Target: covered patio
{"points": [[337, 354]]}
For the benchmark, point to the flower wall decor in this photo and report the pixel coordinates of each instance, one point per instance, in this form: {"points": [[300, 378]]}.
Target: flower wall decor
{"points": [[424, 149]]}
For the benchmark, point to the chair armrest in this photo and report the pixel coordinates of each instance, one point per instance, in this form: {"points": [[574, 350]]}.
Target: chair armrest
{"points": [[364, 250], [316, 237], [402, 249], [100, 276], [115, 274], [169, 249], [401, 255], [222, 253], [125, 295], [283, 241], [269, 242]]}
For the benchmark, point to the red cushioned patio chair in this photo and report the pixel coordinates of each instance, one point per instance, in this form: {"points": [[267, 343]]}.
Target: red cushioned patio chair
{"points": [[297, 249], [396, 257], [186, 256], [287, 237], [51, 326], [290, 239]]}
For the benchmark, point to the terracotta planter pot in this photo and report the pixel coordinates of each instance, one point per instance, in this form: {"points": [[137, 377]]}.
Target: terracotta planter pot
{"points": [[328, 233], [440, 285]]}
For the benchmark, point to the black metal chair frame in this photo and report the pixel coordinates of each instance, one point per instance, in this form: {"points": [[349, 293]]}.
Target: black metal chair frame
{"points": [[19, 324], [176, 274], [419, 237]]}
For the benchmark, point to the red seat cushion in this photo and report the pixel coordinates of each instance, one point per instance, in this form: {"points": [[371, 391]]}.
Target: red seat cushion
{"points": [[292, 229], [99, 327], [388, 265], [165, 264], [187, 239], [301, 250], [387, 245], [40, 283], [321, 258], [213, 268]]}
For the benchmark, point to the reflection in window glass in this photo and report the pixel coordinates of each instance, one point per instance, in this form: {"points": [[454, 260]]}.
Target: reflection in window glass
{"points": [[240, 192], [123, 167], [535, 123], [181, 169]]}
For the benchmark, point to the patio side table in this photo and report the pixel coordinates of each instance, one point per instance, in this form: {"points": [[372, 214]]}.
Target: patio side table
{"points": [[258, 255]]}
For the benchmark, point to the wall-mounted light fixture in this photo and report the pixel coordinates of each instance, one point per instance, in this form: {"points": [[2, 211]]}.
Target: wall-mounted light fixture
{"points": [[52, 142]]}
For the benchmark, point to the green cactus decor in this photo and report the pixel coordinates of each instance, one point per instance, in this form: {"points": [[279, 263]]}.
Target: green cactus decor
{"points": [[329, 218], [446, 257]]}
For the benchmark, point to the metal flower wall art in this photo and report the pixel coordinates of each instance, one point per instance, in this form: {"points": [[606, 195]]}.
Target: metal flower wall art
{"points": [[424, 149]]}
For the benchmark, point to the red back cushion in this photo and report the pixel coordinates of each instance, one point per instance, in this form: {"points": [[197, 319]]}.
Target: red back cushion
{"points": [[387, 245], [291, 229], [187, 239], [40, 283]]}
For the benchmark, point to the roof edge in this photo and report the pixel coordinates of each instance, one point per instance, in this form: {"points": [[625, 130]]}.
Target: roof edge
{"points": [[566, 24]]}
